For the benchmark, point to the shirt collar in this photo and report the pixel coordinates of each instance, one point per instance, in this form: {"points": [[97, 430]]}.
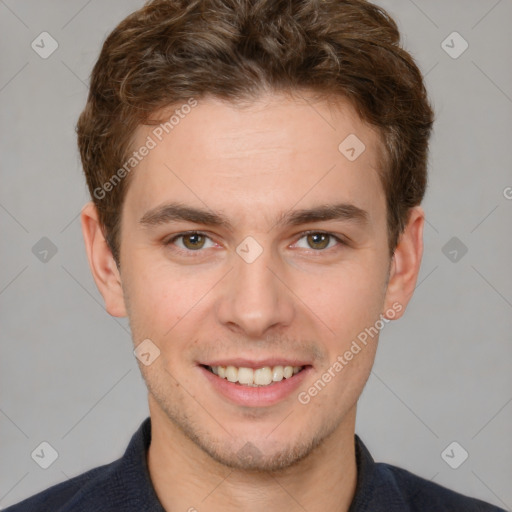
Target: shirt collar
{"points": [[135, 472], [376, 487]]}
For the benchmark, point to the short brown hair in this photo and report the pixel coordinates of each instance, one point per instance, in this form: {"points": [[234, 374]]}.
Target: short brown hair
{"points": [[172, 50]]}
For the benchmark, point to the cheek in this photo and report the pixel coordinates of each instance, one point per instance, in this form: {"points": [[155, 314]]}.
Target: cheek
{"points": [[161, 295], [346, 299]]}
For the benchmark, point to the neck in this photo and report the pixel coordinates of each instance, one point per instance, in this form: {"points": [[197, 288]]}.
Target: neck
{"points": [[186, 478]]}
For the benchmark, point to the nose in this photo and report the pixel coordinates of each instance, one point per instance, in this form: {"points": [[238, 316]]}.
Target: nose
{"points": [[254, 298]]}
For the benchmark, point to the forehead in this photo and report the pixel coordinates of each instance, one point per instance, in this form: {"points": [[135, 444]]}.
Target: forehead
{"points": [[265, 155]]}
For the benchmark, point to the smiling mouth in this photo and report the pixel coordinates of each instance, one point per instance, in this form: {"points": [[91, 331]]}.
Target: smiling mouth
{"points": [[258, 377]]}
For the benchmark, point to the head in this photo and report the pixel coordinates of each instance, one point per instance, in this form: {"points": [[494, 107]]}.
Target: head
{"points": [[301, 125]]}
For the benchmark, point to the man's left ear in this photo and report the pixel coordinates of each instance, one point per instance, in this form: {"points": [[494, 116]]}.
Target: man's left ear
{"points": [[405, 265]]}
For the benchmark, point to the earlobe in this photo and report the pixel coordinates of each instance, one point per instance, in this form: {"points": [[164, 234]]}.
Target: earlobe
{"points": [[405, 265], [101, 262]]}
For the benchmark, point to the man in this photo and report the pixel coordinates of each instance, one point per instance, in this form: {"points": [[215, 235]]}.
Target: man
{"points": [[256, 171]]}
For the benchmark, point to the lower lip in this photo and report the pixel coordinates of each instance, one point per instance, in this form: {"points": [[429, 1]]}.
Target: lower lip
{"points": [[252, 396]]}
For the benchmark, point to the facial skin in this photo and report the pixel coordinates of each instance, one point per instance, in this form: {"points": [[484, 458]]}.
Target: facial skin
{"points": [[253, 165]]}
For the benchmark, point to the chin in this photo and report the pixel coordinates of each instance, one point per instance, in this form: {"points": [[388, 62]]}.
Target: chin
{"points": [[251, 458]]}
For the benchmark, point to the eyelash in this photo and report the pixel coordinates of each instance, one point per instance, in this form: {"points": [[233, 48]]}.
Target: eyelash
{"points": [[190, 253]]}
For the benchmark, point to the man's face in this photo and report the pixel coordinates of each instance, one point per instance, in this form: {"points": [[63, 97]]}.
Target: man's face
{"points": [[281, 297]]}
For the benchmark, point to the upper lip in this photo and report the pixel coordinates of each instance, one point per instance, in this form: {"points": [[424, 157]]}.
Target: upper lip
{"points": [[241, 362]]}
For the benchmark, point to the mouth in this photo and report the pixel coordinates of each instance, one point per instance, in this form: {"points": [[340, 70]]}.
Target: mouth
{"points": [[250, 383], [255, 377]]}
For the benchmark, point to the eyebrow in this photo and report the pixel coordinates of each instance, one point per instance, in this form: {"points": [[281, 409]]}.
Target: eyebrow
{"points": [[173, 212]]}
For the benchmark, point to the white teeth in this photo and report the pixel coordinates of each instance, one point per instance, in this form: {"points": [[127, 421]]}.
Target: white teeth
{"points": [[277, 373], [259, 377], [231, 373], [263, 376], [246, 375]]}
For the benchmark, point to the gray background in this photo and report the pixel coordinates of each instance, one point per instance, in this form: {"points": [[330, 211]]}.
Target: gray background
{"points": [[443, 372]]}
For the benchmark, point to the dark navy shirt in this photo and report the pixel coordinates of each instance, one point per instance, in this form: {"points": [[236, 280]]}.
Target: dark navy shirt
{"points": [[125, 485]]}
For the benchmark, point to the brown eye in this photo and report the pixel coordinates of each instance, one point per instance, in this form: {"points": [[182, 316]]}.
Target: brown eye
{"points": [[318, 241], [193, 241], [190, 244]]}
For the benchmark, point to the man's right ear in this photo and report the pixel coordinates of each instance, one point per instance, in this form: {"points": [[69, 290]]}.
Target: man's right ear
{"points": [[103, 266]]}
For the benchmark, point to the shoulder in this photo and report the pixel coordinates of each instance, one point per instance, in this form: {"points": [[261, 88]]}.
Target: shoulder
{"points": [[385, 488], [62, 496], [420, 494], [124, 484]]}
